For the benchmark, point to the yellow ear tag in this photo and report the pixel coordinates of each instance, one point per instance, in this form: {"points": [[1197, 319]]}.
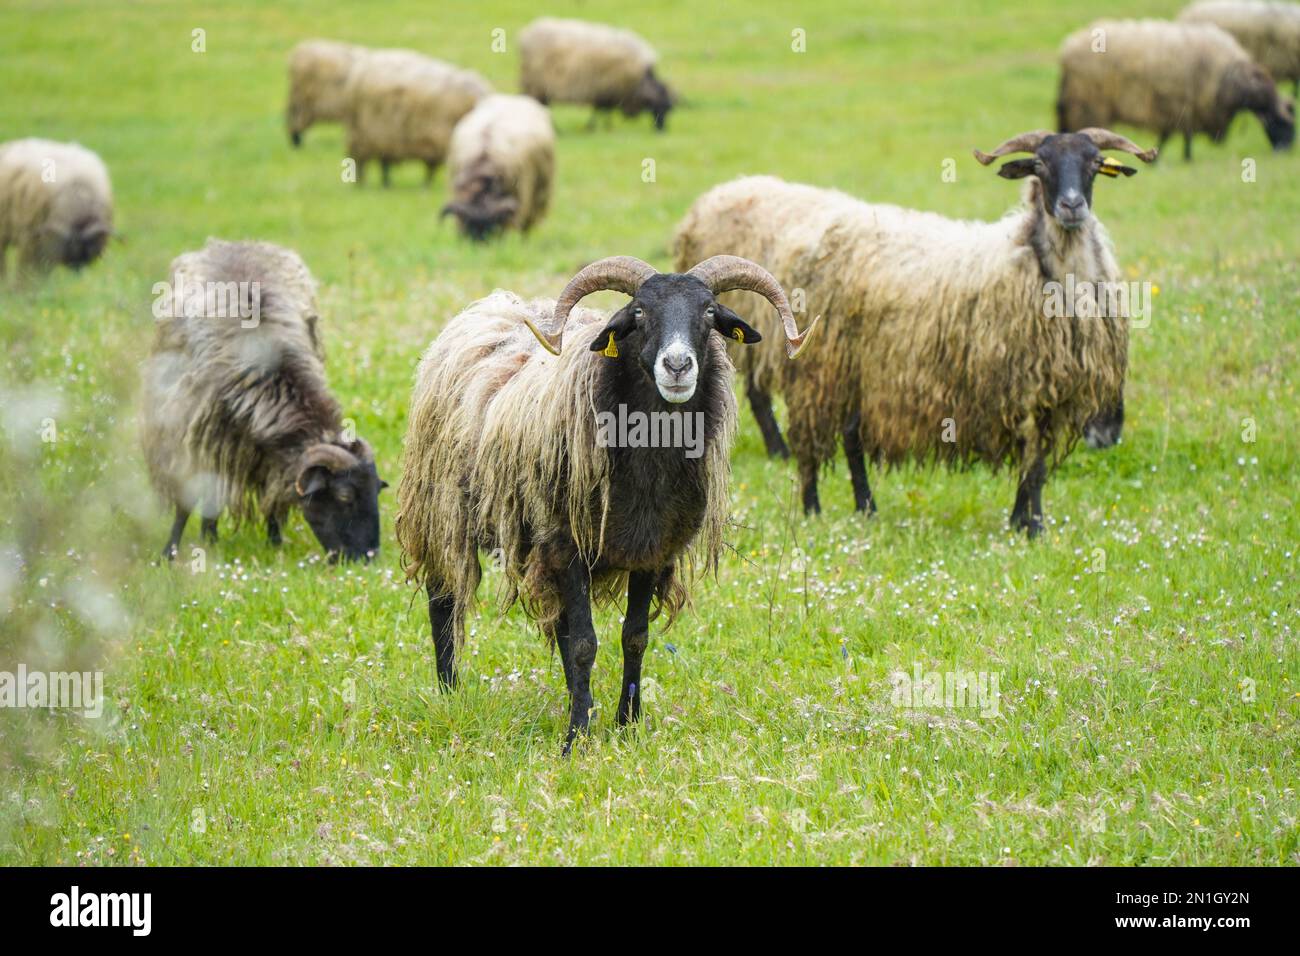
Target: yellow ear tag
{"points": [[610, 350], [738, 335], [1110, 167]]}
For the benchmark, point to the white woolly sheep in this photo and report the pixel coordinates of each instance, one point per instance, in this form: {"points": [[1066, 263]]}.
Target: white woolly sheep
{"points": [[318, 76], [1166, 77], [236, 413], [1268, 30], [56, 204], [510, 448], [940, 344], [501, 163], [404, 105], [573, 61]]}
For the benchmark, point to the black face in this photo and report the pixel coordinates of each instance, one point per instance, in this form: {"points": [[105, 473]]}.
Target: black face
{"points": [[342, 508], [654, 96], [1279, 124], [667, 326], [84, 246], [1253, 89], [1066, 164], [485, 211]]}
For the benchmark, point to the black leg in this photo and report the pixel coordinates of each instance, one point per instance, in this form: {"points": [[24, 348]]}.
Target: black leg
{"points": [[429, 170], [385, 167], [273, 531], [1036, 504], [1187, 147], [808, 481], [636, 634], [761, 405], [208, 530], [178, 529], [862, 499], [1027, 514], [442, 621], [562, 645], [582, 647]]}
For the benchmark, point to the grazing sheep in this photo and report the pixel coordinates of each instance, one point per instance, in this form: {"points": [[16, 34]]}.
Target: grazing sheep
{"points": [[1166, 77], [511, 448], [1269, 31], [940, 345], [318, 76], [572, 61], [501, 162], [56, 204], [404, 105], [236, 413]]}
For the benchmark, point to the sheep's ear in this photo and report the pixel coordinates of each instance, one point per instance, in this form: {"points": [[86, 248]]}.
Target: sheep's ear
{"points": [[1017, 169], [733, 326], [619, 325], [1113, 167]]}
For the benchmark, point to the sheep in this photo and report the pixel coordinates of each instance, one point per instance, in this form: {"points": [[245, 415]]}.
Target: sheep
{"points": [[940, 344], [501, 162], [404, 105], [573, 61], [318, 75], [1166, 77], [236, 413], [1269, 31], [511, 448], [56, 204]]}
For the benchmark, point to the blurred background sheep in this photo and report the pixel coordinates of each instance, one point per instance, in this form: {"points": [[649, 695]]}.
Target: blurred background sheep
{"points": [[56, 204], [1168, 78], [501, 163], [404, 105], [318, 76], [236, 414], [1269, 32], [572, 61]]}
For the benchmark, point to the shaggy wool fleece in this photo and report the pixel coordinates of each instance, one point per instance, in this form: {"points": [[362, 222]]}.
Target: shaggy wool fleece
{"points": [[572, 61], [227, 410], [934, 331], [1268, 30], [1157, 75]]}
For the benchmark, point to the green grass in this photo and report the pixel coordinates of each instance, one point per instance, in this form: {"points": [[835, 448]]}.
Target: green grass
{"points": [[274, 710]]}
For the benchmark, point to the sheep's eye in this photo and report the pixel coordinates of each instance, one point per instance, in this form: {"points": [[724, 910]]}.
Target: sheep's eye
{"points": [[344, 495], [638, 312], [710, 311]]}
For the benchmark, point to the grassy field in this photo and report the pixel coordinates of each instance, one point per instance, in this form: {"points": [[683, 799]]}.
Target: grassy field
{"points": [[271, 709]]}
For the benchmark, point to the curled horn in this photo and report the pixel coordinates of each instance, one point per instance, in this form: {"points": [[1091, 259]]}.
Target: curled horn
{"points": [[1024, 143], [1105, 139], [725, 273], [330, 456], [620, 273]]}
